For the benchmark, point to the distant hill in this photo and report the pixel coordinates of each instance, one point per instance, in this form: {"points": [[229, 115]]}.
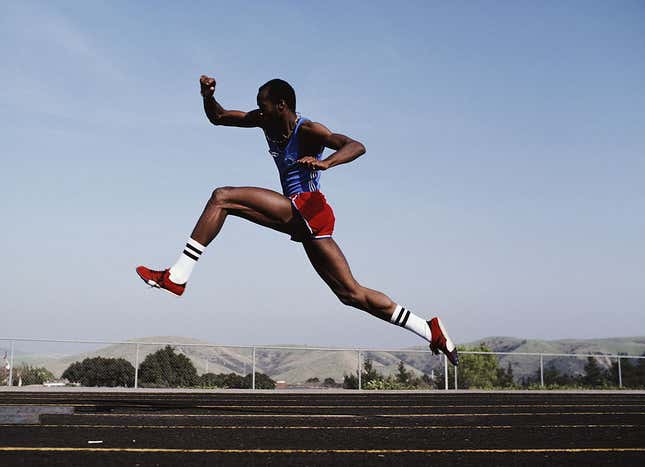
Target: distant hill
{"points": [[614, 345], [527, 366], [296, 366]]}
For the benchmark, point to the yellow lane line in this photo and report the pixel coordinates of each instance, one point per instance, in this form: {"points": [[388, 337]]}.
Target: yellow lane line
{"points": [[304, 427], [265, 415], [320, 451], [517, 414]]}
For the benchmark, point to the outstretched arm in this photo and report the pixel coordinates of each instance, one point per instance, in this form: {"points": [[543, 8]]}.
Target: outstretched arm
{"points": [[347, 149], [218, 115]]}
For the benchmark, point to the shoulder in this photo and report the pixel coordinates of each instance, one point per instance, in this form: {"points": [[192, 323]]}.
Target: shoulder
{"points": [[314, 129]]}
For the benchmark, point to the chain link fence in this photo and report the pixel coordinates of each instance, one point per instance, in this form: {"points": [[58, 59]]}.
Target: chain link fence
{"points": [[144, 364]]}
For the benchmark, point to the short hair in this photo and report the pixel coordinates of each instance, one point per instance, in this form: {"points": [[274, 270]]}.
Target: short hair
{"points": [[277, 90]]}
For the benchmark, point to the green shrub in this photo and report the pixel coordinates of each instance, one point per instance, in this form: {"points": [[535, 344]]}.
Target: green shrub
{"points": [[167, 369], [99, 371], [31, 375]]}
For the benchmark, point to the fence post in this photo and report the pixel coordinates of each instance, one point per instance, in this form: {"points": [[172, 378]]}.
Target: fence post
{"points": [[454, 368], [620, 375], [10, 381], [541, 370], [445, 370], [358, 364], [136, 368], [253, 371]]}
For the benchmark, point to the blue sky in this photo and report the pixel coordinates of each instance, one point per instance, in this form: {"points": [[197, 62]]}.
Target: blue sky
{"points": [[503, 187]]}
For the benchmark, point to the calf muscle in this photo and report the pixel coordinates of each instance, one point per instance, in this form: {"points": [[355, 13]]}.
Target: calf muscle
{"points": [[331, 265]]}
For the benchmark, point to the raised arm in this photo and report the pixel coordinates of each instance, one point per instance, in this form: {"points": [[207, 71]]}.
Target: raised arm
{"points": [[347, 149], [218, 115]]}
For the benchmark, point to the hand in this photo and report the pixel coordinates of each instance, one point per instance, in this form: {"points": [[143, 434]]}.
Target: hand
{"points": [[312, 163], [208, 85]]}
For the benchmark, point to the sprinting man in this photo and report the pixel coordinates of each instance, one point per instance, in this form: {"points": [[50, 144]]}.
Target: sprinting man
{"points": [[296, 144]]}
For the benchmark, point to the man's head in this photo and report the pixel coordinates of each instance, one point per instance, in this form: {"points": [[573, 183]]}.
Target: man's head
{"points": [[275, 97]]}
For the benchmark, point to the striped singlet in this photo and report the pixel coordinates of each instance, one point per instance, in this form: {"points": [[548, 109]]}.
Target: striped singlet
{"points": [[294, 177]]}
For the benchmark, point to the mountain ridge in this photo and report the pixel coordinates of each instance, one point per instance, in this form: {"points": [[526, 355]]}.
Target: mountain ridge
{"points": [[300, 363]]}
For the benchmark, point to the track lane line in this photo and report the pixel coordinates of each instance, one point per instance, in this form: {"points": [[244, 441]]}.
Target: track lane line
{"points": [[304, 427], [321, 451]]}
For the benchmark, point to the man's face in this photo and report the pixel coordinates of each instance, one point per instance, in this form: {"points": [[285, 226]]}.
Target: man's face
{"points": [[269, 111]]}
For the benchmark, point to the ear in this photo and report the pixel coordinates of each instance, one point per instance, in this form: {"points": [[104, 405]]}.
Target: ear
{"points": [[281, 105]]}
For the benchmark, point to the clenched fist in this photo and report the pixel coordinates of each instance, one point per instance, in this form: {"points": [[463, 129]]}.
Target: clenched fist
{"points": [[207, 85], [312, 163]]}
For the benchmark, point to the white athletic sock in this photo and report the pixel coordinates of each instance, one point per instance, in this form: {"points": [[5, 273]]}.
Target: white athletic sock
{"points": [[183, 268], [408, 320]]}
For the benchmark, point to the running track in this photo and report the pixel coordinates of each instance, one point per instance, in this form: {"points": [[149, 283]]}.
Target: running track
{"points": [[324, 428]]}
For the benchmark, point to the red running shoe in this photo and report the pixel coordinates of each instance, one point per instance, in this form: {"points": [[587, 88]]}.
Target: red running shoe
{"points": [[442, 342], [161, 280]]}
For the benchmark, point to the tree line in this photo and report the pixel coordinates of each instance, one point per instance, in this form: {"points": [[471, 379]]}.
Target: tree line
{"points": [[483, 371], [164, 368]]}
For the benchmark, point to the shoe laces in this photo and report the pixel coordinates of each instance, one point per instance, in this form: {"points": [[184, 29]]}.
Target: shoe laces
{"points": [[160, 281], [165, 274], [437, 345]]}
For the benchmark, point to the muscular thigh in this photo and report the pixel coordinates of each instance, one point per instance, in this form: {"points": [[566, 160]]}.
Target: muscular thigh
{"points": [[261, 206]]}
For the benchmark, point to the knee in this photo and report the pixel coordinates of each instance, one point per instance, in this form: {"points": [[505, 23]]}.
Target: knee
{"points": [[220, 195]]}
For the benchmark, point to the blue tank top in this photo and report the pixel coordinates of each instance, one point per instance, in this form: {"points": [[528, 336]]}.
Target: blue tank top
{"points": [[294, 177]]}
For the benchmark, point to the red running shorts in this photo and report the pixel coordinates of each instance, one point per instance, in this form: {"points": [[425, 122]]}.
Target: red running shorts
{"points": [[317, 214]]}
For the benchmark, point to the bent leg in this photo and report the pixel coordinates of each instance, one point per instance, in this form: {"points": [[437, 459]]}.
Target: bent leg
{"points": [[330, 264], [261, 206], [264, 207]]}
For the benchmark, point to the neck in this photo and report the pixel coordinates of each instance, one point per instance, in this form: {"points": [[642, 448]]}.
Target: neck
{"points": [[284, 128], [288, 123]]}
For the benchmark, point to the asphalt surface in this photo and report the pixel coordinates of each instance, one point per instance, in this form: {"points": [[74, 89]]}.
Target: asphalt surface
{"points": [[322, 429]]}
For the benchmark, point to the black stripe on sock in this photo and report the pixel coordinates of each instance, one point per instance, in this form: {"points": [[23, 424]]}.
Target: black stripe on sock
{"points": [[398, 318], [405, 320], [194, 249], [190, 255]]}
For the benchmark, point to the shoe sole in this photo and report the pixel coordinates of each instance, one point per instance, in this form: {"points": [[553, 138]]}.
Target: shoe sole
{"points": [[450, 346]]}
